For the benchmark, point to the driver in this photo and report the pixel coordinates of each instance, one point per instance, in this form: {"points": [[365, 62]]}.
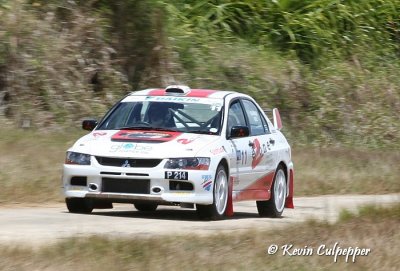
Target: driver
{"points": [[160, 116]]}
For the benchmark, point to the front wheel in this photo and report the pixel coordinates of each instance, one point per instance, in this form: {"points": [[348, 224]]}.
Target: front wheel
{"points": [[220, 197], [79, 205], [275, 205]]}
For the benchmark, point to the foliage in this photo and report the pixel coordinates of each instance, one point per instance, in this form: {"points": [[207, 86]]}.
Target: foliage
{"points": [[347, 94], [329, 65], [311, 28], [56, 73]]}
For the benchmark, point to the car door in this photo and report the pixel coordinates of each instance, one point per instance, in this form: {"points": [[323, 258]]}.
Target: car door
{"points": [[241, 159], [262, 160]]}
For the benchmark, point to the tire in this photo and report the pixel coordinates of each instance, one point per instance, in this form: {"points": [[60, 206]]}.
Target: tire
{"points": [[79, 205], [146, 207], [275, 205], [217, 209]]}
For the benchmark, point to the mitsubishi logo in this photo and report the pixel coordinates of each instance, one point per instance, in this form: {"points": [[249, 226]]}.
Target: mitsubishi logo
{"points": [[126, 164]]}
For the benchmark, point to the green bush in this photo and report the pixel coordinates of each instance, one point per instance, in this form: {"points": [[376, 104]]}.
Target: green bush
{"points": [[329, 65], [311, 28]]}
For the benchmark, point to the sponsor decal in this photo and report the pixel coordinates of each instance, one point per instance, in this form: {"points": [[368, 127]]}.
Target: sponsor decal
{"points": [[241, 156], [218, 150], [206, 182], [257, 153], [98, 134], [131, 148], [173, 99], [186, 140], [138, 135]]}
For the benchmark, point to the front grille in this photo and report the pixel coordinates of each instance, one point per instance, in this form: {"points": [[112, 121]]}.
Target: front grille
{"points": [[123, 162], [110, 173], [128, 186], [127, 174]]}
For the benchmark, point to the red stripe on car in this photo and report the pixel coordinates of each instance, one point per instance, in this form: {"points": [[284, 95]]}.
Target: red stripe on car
{"points": [[259, 190], [200, 93]]}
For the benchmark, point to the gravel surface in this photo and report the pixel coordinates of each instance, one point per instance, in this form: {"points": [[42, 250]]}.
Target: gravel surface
{"points": [[42, 225]]}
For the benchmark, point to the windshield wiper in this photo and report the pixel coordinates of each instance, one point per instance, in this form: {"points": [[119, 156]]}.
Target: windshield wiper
{"points": [[201, 132], [143, 127], [164, 129]]}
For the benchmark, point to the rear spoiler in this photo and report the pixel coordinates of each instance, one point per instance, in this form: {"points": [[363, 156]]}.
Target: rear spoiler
{"points": [[276, 117]]}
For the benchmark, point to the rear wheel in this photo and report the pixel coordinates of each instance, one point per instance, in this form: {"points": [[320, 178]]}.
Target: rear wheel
{"points": [[146, 207], [220, 197], [79, 205], [275, 205]]}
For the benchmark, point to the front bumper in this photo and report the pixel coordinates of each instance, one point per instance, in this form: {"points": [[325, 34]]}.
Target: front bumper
{"points": [[94, 181]]}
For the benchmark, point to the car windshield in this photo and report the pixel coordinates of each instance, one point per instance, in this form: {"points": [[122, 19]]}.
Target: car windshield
{"points": [[183, 114]]}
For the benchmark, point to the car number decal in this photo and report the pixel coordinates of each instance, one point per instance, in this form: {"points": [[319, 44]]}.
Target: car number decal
{"points": [[176, 175]]}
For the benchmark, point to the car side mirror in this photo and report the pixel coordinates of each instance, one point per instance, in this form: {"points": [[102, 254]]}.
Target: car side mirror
{"points": [[239, 131], [89, 124]]}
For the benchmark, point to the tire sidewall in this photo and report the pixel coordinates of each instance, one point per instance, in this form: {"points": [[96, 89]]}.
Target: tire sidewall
{"points": [[215, 209], [277, 211]]}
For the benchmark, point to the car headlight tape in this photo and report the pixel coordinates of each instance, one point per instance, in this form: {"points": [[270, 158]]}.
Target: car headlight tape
{"points": [[76, 158], [197, 163]]}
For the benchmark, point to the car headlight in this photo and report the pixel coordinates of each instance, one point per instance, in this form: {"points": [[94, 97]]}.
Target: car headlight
{"points": [[76, 158], [199, 163]]}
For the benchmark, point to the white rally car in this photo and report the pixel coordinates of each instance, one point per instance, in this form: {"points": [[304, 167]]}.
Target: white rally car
{"points": [[181, 146]]}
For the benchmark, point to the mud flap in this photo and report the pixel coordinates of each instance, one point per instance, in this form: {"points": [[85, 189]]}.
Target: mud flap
{"points": [[289, 199], [229, 206]]}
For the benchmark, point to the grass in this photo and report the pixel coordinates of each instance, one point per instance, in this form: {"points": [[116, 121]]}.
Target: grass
{"points": [[31, 168], [375, 228], [345, 171], [371, 212], [31, 164]]}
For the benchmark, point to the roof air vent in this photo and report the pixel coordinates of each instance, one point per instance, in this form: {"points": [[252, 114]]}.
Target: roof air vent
{"points": [[177, 89]]}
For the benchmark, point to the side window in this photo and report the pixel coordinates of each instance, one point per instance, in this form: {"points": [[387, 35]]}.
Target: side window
{"points": [[265, 124], [258, 125], [236, 116]]}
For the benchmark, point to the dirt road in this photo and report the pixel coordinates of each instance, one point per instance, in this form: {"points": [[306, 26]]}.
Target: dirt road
{"points": [[36, 226]]}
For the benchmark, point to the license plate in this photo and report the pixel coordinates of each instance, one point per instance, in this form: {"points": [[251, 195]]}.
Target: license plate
{"points": [[176, 175]]}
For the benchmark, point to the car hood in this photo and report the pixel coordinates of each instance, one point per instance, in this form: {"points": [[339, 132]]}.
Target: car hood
{"points": [[142, 143]]}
